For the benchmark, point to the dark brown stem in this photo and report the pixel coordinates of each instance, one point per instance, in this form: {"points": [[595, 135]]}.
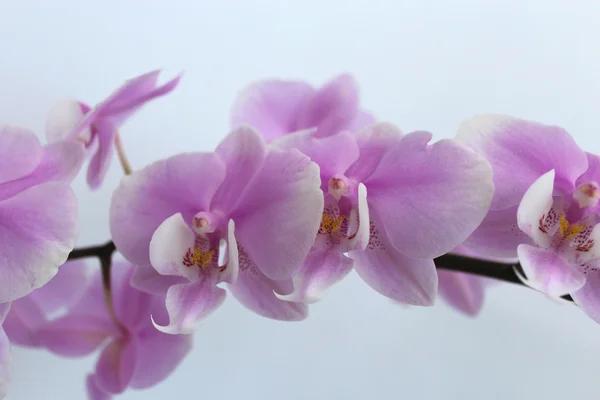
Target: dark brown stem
{"points": [[451, 262]]}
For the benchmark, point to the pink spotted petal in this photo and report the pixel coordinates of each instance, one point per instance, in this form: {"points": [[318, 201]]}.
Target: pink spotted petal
{"points": [[38, 228], [547, 272], [75, 335], [189, 304], [463, 292], [148, 280], [430, 197], [93, 390], [20, 152], [168, 246], [532, 149], [334, 154], [498, 235], [279, 213], [256, 292], [64, 116], [115, 366], [385, 269], [374, 142], [588, 297], [332, 108], [271, 107], [5, 355], [320, 271], [155, 345], [243, 152], [182, 184], [535, 205]]}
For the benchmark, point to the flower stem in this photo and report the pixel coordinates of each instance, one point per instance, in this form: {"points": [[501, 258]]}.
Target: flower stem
{"points": [[122, 156], [450, 262]]}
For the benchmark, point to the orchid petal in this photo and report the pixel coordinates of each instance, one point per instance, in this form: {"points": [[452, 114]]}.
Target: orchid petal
{"points": [[22, 321], [5, 355], [430, 197], [532, 149], [38, 228], [279, 213], [100, 162], [148, 280], [374, 141], [462, 291], [271, 107], [158, 356], [547, 272], [332, 108], [385, 269], [360, 232], [93, 390], [588, 297], [64, 116], [534, 208], [20, 152], [182, 184], [189, 304], [498, 235], [75, 335], [334, 154], [115, 366], [243, 152], [256, 292], [320, 271]]}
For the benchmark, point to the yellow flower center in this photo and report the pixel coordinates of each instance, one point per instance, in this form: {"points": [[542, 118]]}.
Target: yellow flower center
{"points": [[201, 258], [331, 224], [568, 231]]}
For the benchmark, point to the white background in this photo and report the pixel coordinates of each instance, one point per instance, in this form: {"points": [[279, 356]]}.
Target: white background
{"points": [[422, 65]]}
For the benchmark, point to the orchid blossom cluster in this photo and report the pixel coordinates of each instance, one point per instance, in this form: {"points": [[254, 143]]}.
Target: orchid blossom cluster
{"points": [[305, 188]]}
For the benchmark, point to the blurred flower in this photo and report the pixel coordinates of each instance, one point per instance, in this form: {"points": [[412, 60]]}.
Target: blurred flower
{"points": [[279, 107], [545, 207], [134, 354], [38, 210], [97, 127], [178, 215], [5, 354]]}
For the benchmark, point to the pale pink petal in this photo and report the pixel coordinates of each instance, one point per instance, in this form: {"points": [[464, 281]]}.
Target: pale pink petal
{"points": [[332, 108], [115, 366], [159, 354], [38, 228], [243, 152], [498, 235], [588, 297], [361, 120], [374, 142], [182, 184], [334, 154], [320, 271], [147, 279], [169, 244], [592, 174], [534, 207], [93, 390], [547, 272], [430, 197], [64, 116], [278, 215], [20, 152], [256, 292], [22, 321], [271, 107], [100, 162], [232, 262], [464, 292], [132, 307], [385, 269], [75, 335], [531, 148], [189, 304]]}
